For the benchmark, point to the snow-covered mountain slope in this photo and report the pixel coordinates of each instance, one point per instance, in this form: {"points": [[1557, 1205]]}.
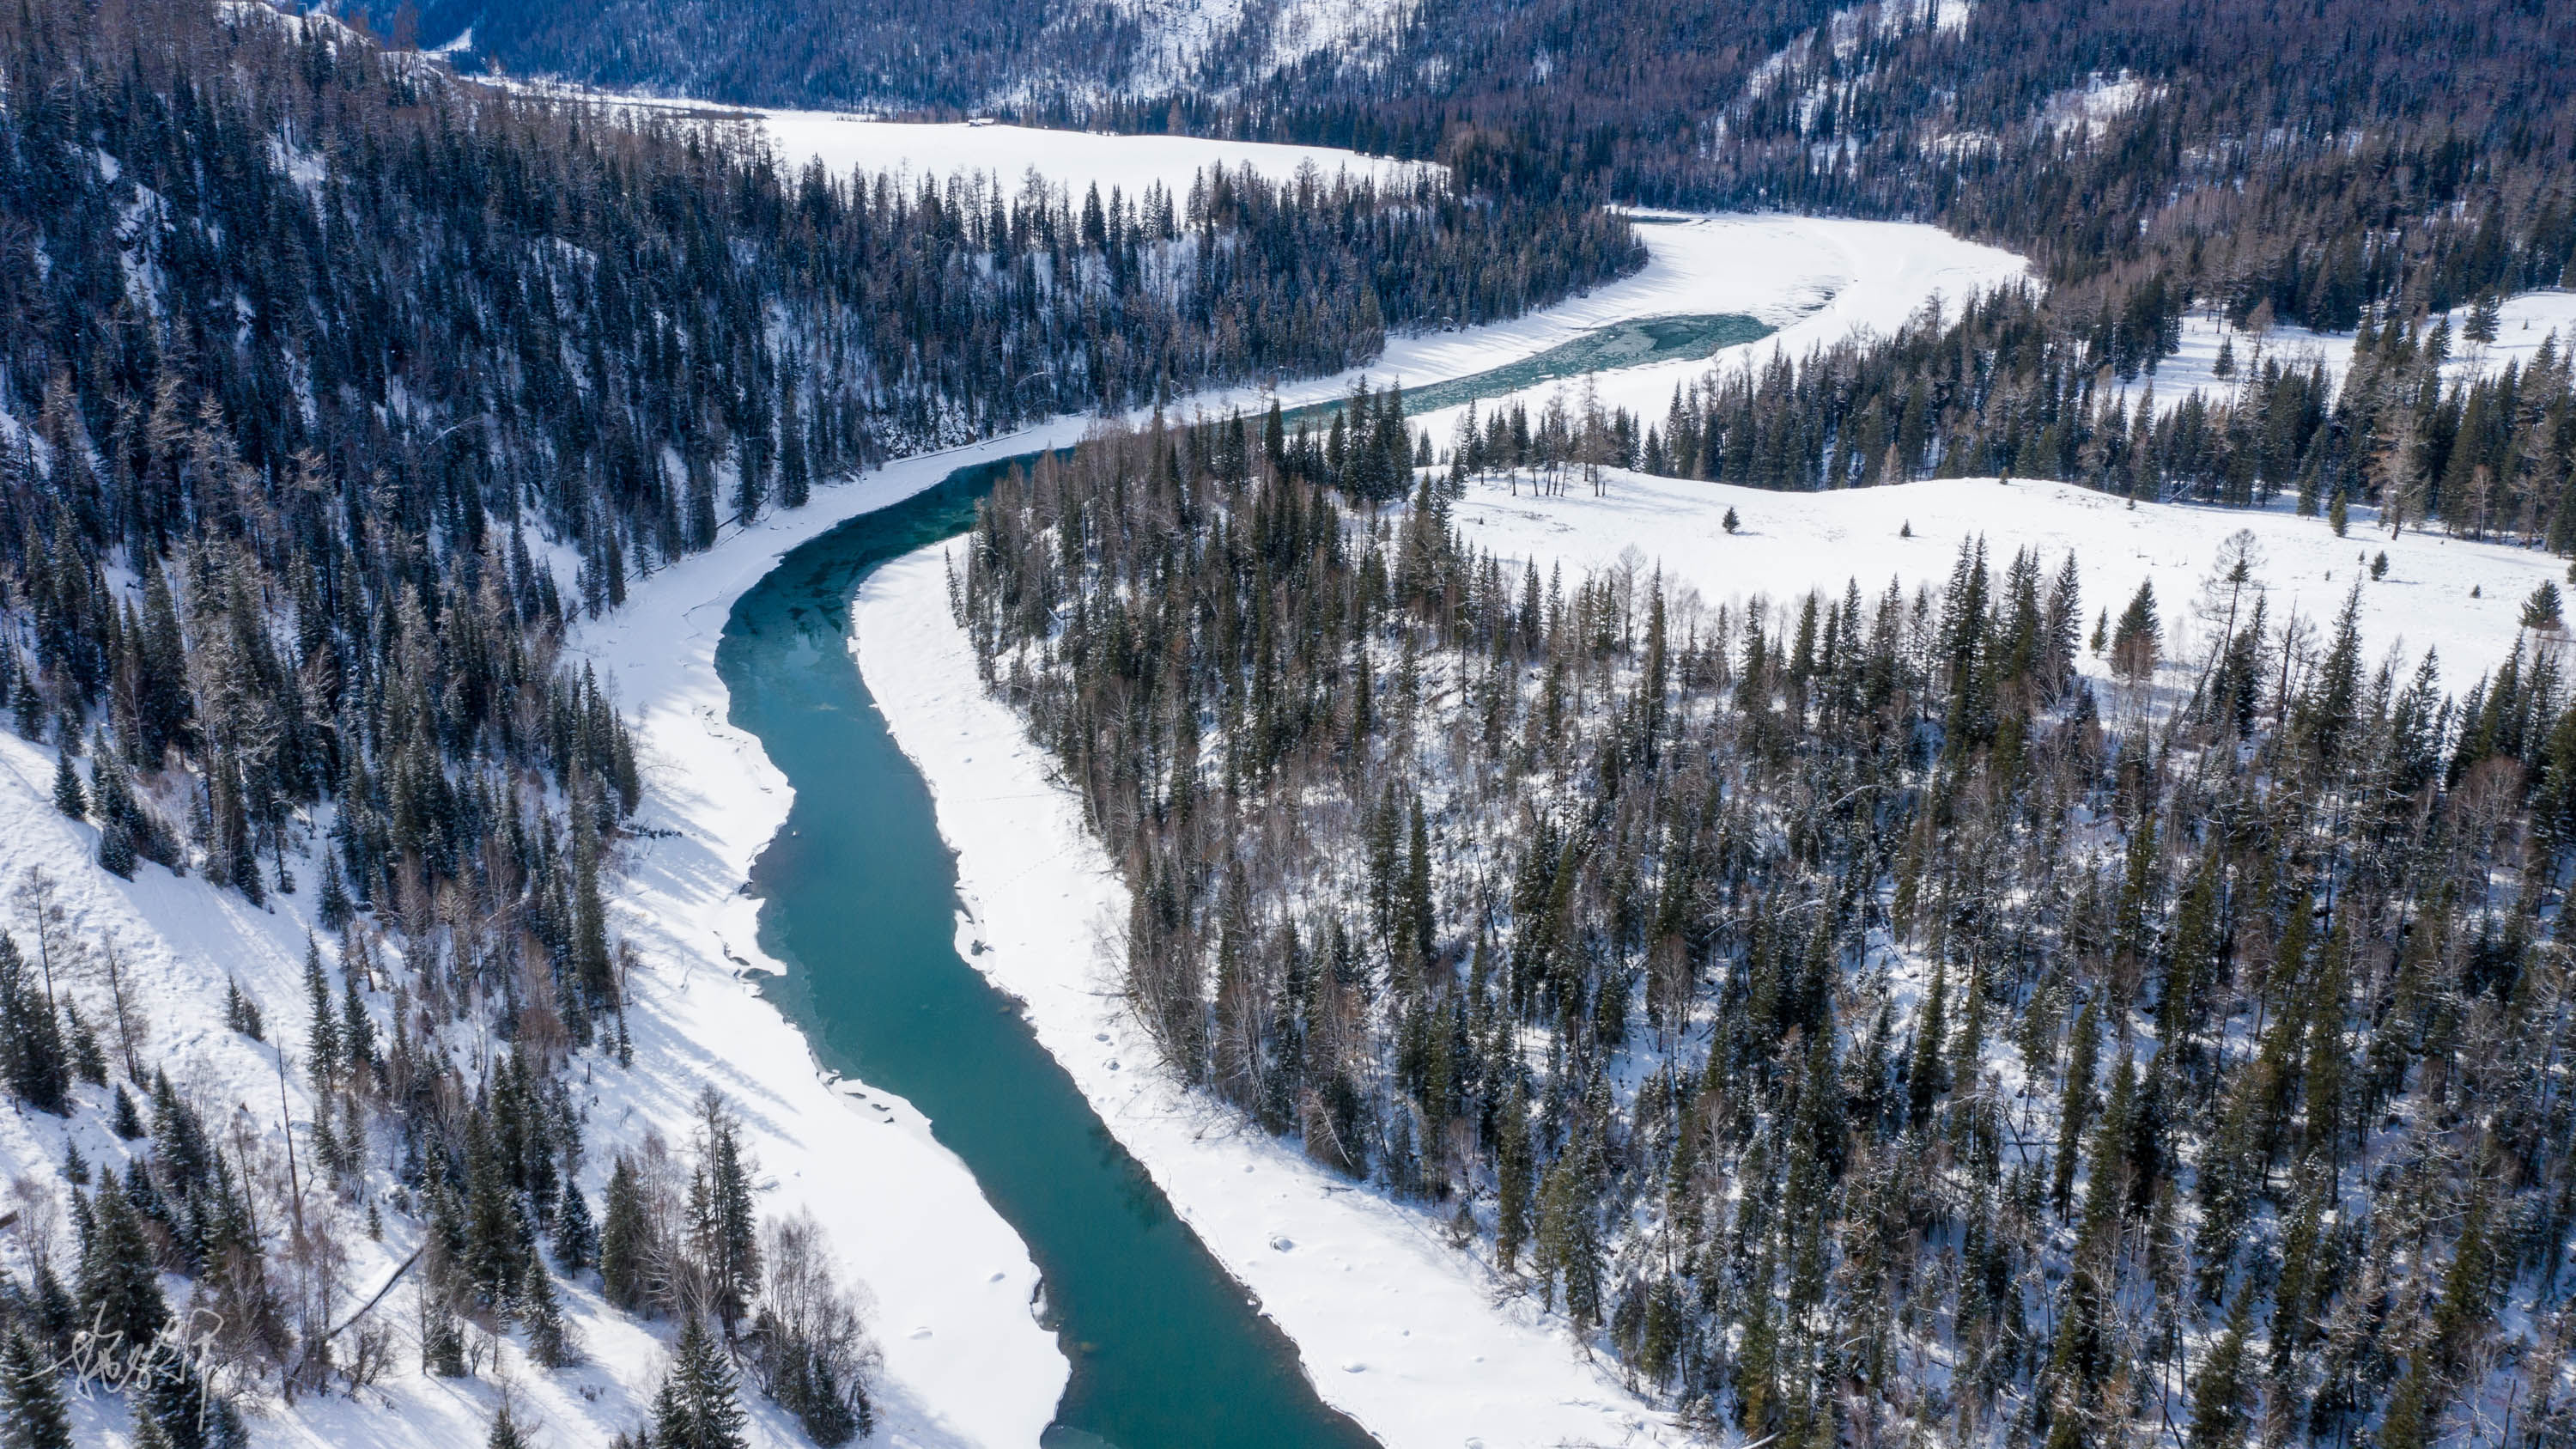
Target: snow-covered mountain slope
{"points": [[847, 141], [1073, 159], [1256, 38], [178, 943]]}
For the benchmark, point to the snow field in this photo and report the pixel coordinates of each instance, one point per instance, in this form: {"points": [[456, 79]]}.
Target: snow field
{"points": [[1789, 543], [1073, 159], [1411, 1337], [847, 141]]}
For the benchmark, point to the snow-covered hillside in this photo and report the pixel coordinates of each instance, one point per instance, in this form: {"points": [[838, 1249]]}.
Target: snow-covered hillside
{"points": [[847, 141], [1073, 159], [2523, 321]]}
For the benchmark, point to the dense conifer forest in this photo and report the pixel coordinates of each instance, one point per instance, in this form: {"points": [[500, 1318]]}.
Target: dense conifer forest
{"points": [[333, 391], [1865, 1018]]}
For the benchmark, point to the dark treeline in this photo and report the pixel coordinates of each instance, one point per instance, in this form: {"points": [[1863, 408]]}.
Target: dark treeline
{"points": [[1862, 1015], [331, 389]]}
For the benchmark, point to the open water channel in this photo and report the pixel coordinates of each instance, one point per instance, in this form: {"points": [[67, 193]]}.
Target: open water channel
{"points": [[860, 902]]}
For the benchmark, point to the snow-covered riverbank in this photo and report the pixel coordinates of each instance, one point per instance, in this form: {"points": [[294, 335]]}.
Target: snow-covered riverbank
{"points": [[1397, 1328], [903, 1209], [966, 1364]]}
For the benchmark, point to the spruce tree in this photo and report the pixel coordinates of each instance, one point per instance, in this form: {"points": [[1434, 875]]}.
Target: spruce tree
{"points": [[322, 1029], [723, 1222], [697, 1407], [33, 1397], [241, 1014], [119, 1288], [541, 1313], [69, 797], [32, 1049], [2222, 1389], [622, 1247]]}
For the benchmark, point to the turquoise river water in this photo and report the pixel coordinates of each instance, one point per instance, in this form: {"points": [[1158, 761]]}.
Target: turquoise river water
{"points": [[860, 899]]}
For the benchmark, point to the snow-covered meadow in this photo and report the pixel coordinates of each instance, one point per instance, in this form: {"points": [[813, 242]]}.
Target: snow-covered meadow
{"points": [[850, 141], [2459, 598], [2523, 321]]}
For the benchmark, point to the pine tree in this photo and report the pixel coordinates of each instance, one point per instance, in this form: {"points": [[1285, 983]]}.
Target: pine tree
{"points": [[334, 908], [2138, 639], [119, 1289], [697, 1407], [723, 1222], [32, 1397], [505, 1432], [357, 1035], [1513, 1171], [621, 1237], [322, 1032], [32, 1049], [241, 1014], [69, 797], [2223, 1389], [541, 1313], [126, 1119], [576, 1237], [2075, 1106]]}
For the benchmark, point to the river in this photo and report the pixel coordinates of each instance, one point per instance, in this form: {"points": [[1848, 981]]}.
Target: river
{"points": [[860, 901]]}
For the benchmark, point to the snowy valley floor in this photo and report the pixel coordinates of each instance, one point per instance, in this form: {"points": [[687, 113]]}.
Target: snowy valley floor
{"points": [[1789, 543]]}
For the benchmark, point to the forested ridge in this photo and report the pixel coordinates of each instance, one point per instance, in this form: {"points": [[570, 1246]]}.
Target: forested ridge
{"points": [[2321, 157], [333, 391], [1873, 1016]]}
